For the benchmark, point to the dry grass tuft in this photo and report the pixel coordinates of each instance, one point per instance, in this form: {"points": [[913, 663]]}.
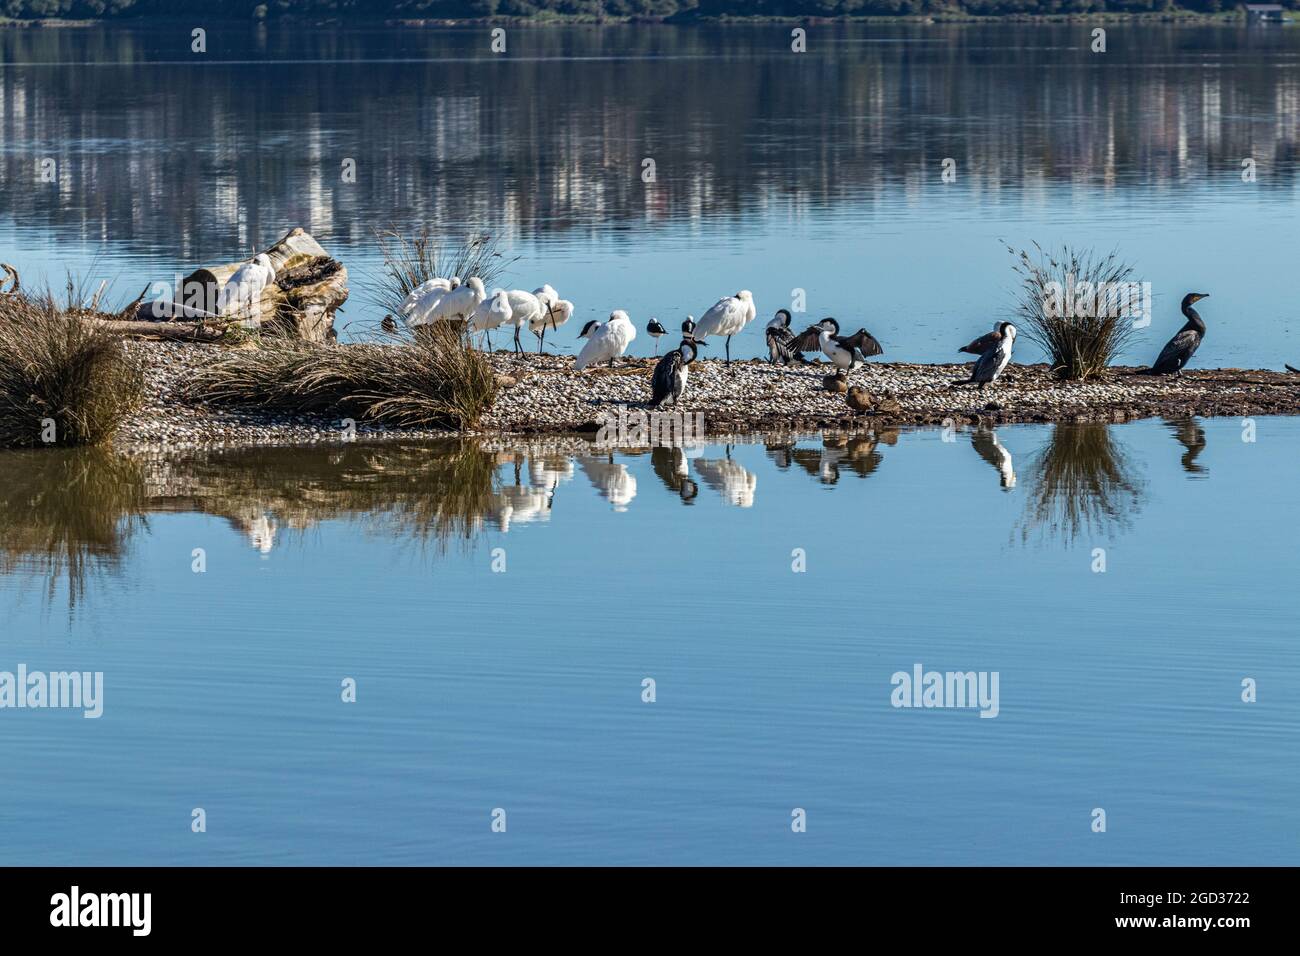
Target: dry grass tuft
{"points": [[432, 381], [65, 377], [1081, 342]]}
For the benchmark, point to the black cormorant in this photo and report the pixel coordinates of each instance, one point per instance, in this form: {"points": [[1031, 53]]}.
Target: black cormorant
{"points": [[1180, 349]]}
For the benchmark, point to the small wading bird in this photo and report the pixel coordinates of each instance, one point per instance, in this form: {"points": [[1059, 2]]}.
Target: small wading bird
{"points": [[688, 329], [244, 288], [655, 331], [605, 342], [992, 363], [986, 341], [726, 317], [669, 379], [781, 347], [846, 351], [1180, 349]]}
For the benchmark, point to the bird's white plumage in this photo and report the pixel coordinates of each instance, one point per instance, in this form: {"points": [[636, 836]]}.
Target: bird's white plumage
{"points": [[727, 316], [608, 341], [243, 290], [554, 315], [492, 313], [445, 305]]}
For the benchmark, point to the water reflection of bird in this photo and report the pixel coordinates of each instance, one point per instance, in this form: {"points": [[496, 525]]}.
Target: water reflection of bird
{"points": [[1180, 349], [1192, 437], [611, 479], [730, 479], [670, 465], [859, 454], [549, 470], [985, 442], [520, 504]]}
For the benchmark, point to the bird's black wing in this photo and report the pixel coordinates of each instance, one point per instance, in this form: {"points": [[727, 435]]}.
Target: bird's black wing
{"points": [[1178, 351], [1291, 368], [861, 340], [661, 384], [809, 340], [982, 344], [781, 343], [868, 345]]}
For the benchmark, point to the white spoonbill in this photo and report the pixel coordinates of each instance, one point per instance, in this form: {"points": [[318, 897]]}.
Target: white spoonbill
{"points": [[606, 342], [451, 305], [557, 312], [492, 313], [726, 317], [243, 289]]}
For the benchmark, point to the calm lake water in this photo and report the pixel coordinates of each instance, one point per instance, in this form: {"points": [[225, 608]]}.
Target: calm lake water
{"points": [[521, 688], [774, 171]]}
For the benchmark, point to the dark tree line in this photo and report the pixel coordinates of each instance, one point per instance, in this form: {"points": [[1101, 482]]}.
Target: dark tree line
{"points": [[678, 9]]}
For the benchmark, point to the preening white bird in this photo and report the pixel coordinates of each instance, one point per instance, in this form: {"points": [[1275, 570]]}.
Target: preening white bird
{"points": [[555, 313], [425, 295], [492, 313], [243, 290], [525, 307], [606, 342], [727, 317], [448, 305]]}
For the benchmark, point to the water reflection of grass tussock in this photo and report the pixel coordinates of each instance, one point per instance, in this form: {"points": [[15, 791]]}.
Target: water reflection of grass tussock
{"points": [[1081, 483], [433, 492], [67, 513]]}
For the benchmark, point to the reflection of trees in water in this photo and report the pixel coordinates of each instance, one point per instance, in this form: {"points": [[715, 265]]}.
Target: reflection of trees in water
{"points": [[540, 143], [1081, 483], [858, 454], [67, 513]]}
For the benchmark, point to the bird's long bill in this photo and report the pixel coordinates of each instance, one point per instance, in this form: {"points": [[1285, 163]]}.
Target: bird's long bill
{"points": [[699, 344]]}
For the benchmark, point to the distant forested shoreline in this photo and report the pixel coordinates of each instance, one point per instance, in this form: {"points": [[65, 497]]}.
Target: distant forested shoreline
{"points": [[670, 10]]}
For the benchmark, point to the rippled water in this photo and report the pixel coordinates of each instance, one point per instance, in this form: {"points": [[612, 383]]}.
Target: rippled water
{"points": [[774, 171], [521, 688]]}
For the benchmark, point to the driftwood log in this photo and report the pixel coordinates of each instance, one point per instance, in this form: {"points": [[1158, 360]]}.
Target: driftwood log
{"points": [[309, 287]]}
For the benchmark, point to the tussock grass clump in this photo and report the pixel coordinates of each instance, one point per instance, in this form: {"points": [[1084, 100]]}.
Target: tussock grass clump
{"points": [[65, 376], [1076, 306], [410, 261], [433, 381]]}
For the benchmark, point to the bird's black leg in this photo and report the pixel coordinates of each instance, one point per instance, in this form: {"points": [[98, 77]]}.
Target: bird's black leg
{"points": [[518, 348], [728, 351], [541, 340]]}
